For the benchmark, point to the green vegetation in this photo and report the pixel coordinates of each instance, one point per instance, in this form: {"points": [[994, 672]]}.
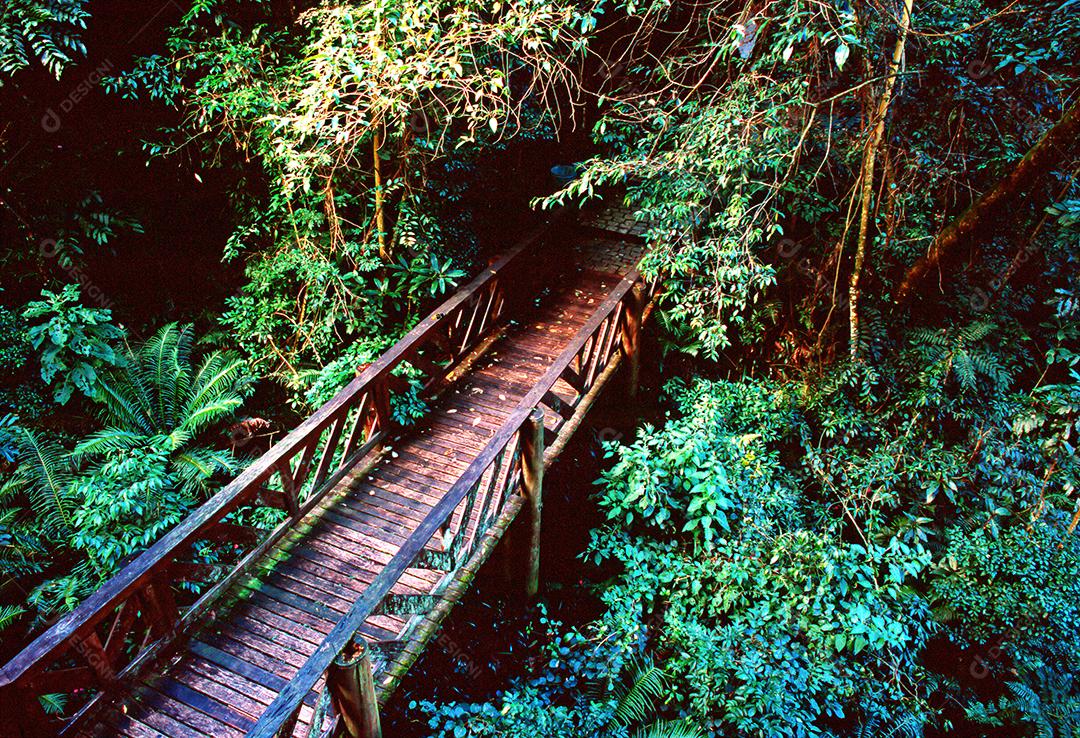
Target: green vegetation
{"points": [[74, 342], [120, 488], [860, 517], [340, 127], [47, 32]]}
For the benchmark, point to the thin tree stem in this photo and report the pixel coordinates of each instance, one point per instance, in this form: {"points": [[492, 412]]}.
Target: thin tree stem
{"points": [[867, 190]]}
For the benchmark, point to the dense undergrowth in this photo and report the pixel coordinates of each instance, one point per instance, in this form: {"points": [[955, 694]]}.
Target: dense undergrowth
{"points": [[865, 522]]}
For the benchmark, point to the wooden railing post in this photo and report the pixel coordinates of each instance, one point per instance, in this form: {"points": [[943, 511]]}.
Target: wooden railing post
{"points": [[93, 652], [532, 474], [381, 401], [290, 494], [352, 692], [631, 338], [288, 728]]}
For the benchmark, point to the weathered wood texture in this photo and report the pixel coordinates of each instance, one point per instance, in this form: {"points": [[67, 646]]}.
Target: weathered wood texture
{"points": [[386, 524]]}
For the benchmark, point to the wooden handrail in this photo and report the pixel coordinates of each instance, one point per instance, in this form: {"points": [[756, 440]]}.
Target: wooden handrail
{"points": [[140, 573], [284, 706]]}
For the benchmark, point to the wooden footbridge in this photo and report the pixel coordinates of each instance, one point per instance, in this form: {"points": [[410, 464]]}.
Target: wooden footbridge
{"points": [[305, 629]]}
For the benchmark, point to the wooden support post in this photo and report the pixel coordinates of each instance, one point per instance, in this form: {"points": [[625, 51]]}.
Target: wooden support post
{"points": [[532, 473], [352, 691], [290, 495], [631, 338], [288, 728]]}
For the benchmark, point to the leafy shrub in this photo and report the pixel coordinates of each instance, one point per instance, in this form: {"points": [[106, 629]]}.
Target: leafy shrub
{"points": [[777, 625], [1016, 592], [705, 471], [75, 342], [589, 685]]}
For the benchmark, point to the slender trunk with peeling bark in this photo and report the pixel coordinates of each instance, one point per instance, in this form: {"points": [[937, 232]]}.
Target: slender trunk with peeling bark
{"points": [[997, 203], [380, 204], [868, 165]]}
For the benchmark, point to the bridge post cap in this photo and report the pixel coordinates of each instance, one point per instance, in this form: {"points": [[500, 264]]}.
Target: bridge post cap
{"points": [[352, 654]]}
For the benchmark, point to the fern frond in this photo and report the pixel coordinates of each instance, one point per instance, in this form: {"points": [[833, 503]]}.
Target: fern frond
{"points": [[161, 362], [215, 390], [202, 416], [195, 467], [107, 440], [647, 687], [669, 729], [45, 469], [53, 704], [9, 614], [124, 402]]}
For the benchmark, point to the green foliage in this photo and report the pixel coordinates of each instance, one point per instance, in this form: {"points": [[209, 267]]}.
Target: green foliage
{"points": [[679, 142], [44, 30], [47, 474], [54, 704], [22, 549], [124, 486], [75, 342], [128, 501], [637, 698], [21, 388], [779, 626], [961, 354], [161, 401], [349, 128], [8, 450], [1020, 588], [741, 147], [589, 687], [14, 349], [1042, 698], [699, 475], [781, 636], [8, 614]]}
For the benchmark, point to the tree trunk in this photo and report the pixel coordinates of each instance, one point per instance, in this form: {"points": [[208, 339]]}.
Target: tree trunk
{"points": [[868, 165], [380, 204], [999, 202]]}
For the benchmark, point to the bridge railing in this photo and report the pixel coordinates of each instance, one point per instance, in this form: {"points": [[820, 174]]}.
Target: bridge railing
{"points": [[474, 502], [127, 623]]}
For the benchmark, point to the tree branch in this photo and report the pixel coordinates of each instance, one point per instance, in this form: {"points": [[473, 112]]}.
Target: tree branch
{"points": [[996, 204]]}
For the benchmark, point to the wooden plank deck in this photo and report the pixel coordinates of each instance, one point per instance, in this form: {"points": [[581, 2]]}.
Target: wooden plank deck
{"points": [[269, 624]]}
